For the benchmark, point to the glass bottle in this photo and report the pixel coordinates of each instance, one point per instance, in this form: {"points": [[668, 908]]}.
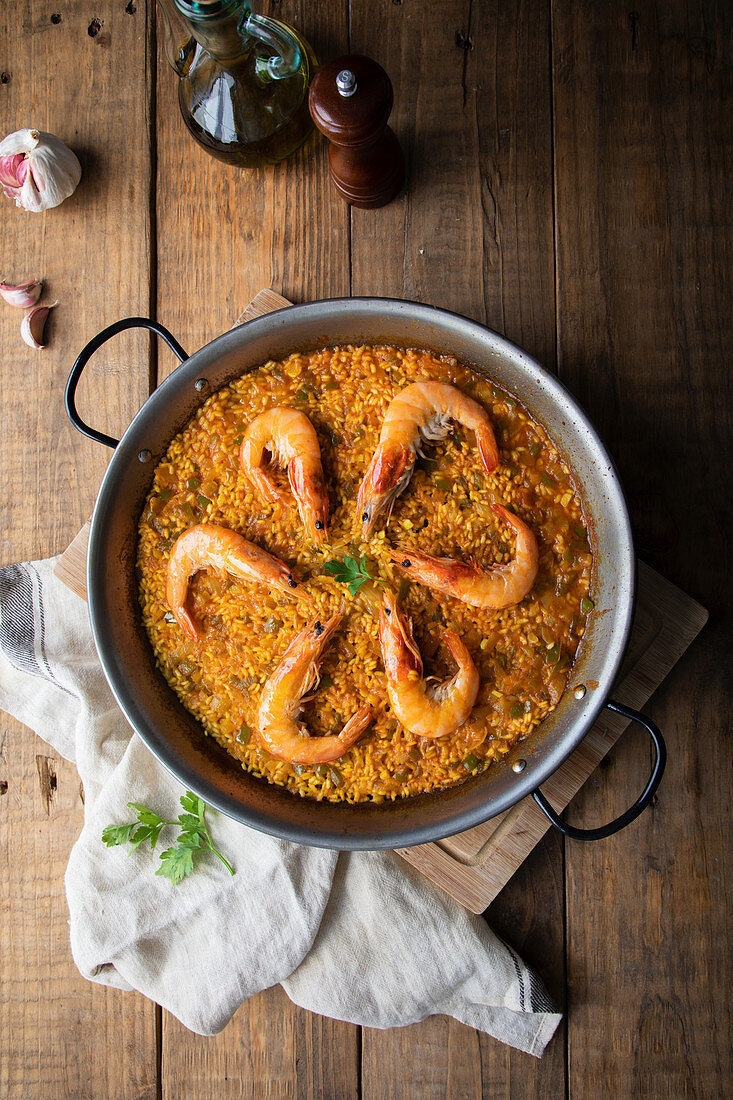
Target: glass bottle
{"points": [[243, 87]]}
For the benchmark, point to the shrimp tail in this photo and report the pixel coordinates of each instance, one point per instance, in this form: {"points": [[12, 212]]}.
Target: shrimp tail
{"points": [[251, 460], [487, 447], [456, 647], [265, 486], [186, 623], [355, 726], [508, 517]]}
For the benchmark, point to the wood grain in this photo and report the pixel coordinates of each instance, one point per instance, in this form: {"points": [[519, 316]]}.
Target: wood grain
{"points": [[643, 144], [71, 566], [474, 233], [264, 301], [224, 233], [63, 1036], [232, 232], [528, 915], [474, 866], [270, 1049], [568, 184]]}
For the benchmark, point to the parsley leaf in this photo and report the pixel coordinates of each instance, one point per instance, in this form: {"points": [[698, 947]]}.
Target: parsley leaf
{"points": [[194, 839], [117, 834], [189, 840], [147, 832], [175, 864], [193, 804], [351, 572]]}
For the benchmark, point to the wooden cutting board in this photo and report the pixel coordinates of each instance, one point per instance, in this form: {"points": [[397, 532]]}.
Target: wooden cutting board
{"points": [[474, 866]]}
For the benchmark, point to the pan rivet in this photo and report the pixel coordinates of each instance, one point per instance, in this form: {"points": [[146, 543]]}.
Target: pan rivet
{"points": [[519, 766], [144, 456], [580, 691], [200, 384]]}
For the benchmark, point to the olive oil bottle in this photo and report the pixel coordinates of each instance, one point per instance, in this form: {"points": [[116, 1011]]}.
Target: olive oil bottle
{"points": [[243, 79]]}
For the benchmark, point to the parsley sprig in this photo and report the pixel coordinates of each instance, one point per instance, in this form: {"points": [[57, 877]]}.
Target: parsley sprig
{"points": [[192, 842], [351, 572]]}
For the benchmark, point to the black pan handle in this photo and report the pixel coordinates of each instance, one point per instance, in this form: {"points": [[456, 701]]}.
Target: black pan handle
{"points": [[660, 759], [82, 360]]}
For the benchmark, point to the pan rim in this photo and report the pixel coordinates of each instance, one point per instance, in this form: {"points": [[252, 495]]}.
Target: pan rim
{"points": [[388, 837]]}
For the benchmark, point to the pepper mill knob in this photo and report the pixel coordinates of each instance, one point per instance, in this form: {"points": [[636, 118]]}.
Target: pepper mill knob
{"points": [[350, 100]]}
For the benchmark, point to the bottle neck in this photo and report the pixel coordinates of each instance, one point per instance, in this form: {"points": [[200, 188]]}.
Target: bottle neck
{"points": [[217, 25]]}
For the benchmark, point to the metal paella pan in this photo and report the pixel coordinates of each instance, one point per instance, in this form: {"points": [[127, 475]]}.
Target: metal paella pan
{"points": [[174, 735]]}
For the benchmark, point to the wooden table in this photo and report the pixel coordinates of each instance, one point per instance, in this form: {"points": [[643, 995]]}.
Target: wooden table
{"points": [[568, 186]]}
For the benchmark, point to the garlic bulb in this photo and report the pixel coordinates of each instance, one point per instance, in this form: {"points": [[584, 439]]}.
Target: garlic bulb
{"points": [[37, 169]]}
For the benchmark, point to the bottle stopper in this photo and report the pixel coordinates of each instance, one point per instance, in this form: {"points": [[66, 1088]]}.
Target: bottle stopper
{"points": [[350, 101]]}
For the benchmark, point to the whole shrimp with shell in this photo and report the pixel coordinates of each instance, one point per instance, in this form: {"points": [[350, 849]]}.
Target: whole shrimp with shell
{"points": [[208, 546], [500, 586], [278, 728], [282, 436], [424, 707], [423, 410]]}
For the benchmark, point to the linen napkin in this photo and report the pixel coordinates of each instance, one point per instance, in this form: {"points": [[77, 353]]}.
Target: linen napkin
{"points": [[355, 936]]}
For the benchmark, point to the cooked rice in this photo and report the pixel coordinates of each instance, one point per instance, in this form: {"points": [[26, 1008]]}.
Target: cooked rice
{"points": [[522, 653]]}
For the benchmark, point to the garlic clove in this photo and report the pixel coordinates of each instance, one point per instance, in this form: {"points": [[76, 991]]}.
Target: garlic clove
{"points": [[37, 169], [23, 294], [33, 324], [13, 170]]}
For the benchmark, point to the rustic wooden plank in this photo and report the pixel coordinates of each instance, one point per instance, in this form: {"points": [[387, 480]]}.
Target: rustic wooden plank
{"points": [[428, 243], [71, 568], [643, 143], [473, 230], [232, 232], [438, 1059], [528, 914], [269, 1049], [63, 1036], [51, 472], [264, 301], [474, 866], [49, 1012], [474, 233]]}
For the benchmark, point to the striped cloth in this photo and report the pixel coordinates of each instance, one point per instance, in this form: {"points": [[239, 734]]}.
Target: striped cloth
{"points": [[355, 936]]}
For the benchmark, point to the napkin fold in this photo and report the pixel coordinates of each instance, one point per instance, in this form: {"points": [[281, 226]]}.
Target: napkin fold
{"points": [[356, 936]]}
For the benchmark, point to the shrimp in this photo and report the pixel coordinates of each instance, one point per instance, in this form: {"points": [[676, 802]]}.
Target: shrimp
{"points": [[428, 710], [278, 728], [208, 546], [287, 436], [502, 586], [423, 408]]}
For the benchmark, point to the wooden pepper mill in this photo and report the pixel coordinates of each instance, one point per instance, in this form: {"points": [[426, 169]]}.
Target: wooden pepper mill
{"points": [[350, 100]]}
